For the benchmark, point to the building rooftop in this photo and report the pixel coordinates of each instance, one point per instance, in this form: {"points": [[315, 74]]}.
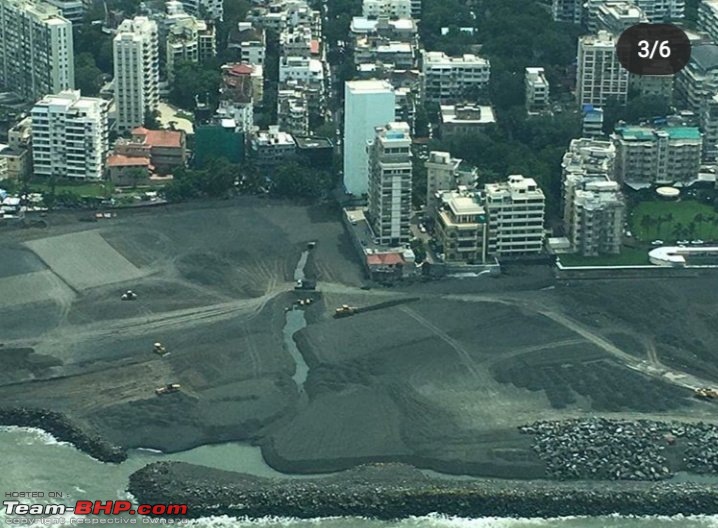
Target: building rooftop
{"points": [[645, 133], [705, 56], [120, 160], [309, 142], [159, 138], [467, 114]]}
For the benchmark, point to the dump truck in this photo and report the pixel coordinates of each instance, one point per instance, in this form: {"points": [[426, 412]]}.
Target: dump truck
{"points": [[168, 389], [160, 349], [345, 311], [705, 393], [129, 295]]}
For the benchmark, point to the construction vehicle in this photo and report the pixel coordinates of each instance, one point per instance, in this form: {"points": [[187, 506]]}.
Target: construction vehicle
{"points": [[168, 389], [705, 393], [160, 349], [129, 295], [345, 311]]}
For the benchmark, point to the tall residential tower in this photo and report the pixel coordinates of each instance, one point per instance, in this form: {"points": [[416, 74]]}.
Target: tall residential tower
{"points": [[136, 71], [36, 53], [367, 105]]}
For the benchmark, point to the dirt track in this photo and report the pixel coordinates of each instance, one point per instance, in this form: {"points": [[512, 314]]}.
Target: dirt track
{"points": [[442, 381]]}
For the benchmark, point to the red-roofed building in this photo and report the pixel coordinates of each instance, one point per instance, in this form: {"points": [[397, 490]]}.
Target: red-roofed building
{"points": [[242, 83], [167, 148], [126, 170]]}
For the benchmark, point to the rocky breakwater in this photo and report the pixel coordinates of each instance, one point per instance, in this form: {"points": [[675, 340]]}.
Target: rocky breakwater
{"points": [[391, 491], [65, 430], [599, 448]]}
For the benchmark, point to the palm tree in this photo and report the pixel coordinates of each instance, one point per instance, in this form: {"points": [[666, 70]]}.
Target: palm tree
{"points": [[646, 222], [698, 219], [677, 230], [691, 230]]}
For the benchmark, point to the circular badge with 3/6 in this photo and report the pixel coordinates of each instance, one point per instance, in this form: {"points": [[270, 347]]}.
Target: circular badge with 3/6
{"points": [[653, 49]]}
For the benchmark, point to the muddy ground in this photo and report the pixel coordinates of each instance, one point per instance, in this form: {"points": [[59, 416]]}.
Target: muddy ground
{"points": [[441, 380]]}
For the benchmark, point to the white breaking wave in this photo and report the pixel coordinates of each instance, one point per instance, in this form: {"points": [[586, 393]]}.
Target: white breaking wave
{"points": [[35, 434]]}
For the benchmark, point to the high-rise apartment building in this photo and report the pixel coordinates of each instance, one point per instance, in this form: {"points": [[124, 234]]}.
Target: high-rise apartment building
{"points": [[709, 127], [595, 226], [567, 11], [516, 214], [708, 18], [613, 16], [537, 90], [647, 156], [189, 40], [460, 223], [390, 171], [387, 8], [444, 173], [69, 136], [367, 105], [447, 79], [698, 81], [136, 59], [600, 76], [205, 9], [36, 52]]}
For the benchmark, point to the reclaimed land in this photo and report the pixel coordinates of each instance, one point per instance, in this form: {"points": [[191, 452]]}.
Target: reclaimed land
{"points": [[440, 375], [392, 491]]}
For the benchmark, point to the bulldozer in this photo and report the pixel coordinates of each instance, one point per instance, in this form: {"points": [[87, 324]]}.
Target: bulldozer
{"points": [[160, 349], [168, 389], [345, 311], [705, 393]]}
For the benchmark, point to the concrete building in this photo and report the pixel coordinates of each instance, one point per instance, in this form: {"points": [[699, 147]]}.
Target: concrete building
{"points": [[367, 105], [648, 156], [136, 61], [709, 127], [69, 136], [516, 215], [448, 79], [613, 16], [698, 81], [36, 52], [372, 50], [249, 43], [537, 90], [218, 138], [242, 83], [400, 29], [589, 158], [167, 149], [592, 121], [658, 11], [599, 76], [387, 8], [189, 40], [708, 18], [461, 227], [302, 69], [390, 169], [16, 162], [465, 119], [271, 148], [205, 9], [292, 112], [278, 15], [72, 10], [441, 171], [570, 11], [315, 151], [298, 42], [598, 215]]}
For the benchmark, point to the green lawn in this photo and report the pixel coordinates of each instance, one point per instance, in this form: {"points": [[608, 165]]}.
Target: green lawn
{"points": [[101, 189], [671, 221], [629, 257]]}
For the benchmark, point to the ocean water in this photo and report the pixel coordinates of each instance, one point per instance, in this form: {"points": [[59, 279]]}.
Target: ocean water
{"points": [[31, 460]]}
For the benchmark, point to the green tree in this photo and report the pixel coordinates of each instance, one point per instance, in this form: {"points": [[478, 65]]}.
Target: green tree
{"points": [[152, 120], [193, 79], [295, 180], [88, 77]]}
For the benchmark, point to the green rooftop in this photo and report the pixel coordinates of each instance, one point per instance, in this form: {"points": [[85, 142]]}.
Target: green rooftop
{"points": [[641, 133]]}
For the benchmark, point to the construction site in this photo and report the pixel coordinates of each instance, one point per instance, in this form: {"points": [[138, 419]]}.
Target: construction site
{"points": [[251, 320]]}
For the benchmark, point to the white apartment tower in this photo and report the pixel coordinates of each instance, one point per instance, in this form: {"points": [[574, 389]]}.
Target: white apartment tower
{"points": [[441, 171], [516, 214], [69, 136], [647, 156], [600, 76], [136, 71], [598, 214], [447, 79], [708, 18], [390, 183], [613, 16], [205, 9], [36, 52], [567, 11], [367, 105], [387, 8], [537, 90]]}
